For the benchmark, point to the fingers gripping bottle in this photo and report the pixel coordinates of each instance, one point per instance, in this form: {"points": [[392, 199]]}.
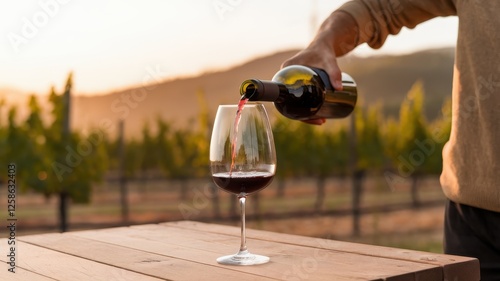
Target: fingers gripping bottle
{"points": [[303, 93]]}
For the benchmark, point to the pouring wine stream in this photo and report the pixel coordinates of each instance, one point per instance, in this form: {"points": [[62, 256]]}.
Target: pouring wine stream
{"points": [[241, 105]]}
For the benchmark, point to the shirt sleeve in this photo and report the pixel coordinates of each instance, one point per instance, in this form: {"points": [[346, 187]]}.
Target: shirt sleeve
{"points": [[377, 19]]}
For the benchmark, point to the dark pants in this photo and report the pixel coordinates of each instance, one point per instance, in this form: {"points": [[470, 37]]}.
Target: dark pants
{"points": [[474, 232]]}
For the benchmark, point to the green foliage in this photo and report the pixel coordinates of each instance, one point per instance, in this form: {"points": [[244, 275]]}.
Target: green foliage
{"points": [[76, 161], [285, 144], [369, 144], [380, 143], [414, 147], [35, 164], [185, 151], [52, 159], [337, 151], [23, 147], [412, 124], [149, 158], [390, 134], [439, 133], [133, 156], [84, 163]]}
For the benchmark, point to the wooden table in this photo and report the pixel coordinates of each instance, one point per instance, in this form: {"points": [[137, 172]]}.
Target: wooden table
{"points": [[187, 250]]}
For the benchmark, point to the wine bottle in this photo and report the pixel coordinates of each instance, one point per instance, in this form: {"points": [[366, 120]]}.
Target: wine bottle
{"points": [[303, 93]]}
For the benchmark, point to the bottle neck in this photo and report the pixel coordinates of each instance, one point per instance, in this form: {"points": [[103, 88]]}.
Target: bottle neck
{"points": [[262, 90]]}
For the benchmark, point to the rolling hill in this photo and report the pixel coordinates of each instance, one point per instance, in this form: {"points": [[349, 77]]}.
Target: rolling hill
{"points": [[380, 78]]}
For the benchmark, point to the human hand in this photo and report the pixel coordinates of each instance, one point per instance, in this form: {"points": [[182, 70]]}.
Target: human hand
{"points": [[319, 58], [337, 36]]}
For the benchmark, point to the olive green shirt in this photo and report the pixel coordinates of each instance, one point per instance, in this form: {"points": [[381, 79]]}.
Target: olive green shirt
{"points": [[471, 157]]}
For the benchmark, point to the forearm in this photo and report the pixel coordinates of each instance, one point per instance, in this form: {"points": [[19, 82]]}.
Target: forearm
{"points": [[377, 19]]}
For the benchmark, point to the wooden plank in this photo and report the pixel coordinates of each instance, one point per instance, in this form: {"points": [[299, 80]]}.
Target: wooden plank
{"points": [[20, 274], [157, 265], [287, 260], [377, 268], [455, 268], [59, 266]]}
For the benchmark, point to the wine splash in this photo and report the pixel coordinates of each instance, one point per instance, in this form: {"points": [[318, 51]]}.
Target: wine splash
{"points": [[241, 105]]}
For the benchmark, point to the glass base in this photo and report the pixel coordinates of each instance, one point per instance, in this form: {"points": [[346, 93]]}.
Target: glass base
{"points": [[243, 258]]}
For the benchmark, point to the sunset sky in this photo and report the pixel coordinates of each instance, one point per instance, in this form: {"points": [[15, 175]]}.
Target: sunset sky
{"points": [[114, 44]]}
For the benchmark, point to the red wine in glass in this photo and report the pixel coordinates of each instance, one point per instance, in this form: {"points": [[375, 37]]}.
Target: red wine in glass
{"points": [[242, 162], [241, 105], [243, 182]]}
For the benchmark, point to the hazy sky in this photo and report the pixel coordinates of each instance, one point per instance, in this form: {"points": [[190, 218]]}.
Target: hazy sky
{"points": [[113, 44]]}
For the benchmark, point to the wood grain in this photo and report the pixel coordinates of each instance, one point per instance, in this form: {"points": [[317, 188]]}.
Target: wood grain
{"points": [[62, 266], [287, 260], [188, 250], [455, 268]]}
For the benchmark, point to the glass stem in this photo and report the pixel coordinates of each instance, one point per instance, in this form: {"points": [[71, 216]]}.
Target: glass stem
{"points": [[243, 246]]}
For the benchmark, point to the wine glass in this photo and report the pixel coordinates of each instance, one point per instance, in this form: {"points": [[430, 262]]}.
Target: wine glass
{"points": [[243, 161]]}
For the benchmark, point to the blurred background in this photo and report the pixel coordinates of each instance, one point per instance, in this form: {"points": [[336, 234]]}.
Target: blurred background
{"points": [[106, 110]]}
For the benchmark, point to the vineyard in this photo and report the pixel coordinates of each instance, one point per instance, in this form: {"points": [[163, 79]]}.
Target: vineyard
{"points": [[387, 216], [368, 157]]}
